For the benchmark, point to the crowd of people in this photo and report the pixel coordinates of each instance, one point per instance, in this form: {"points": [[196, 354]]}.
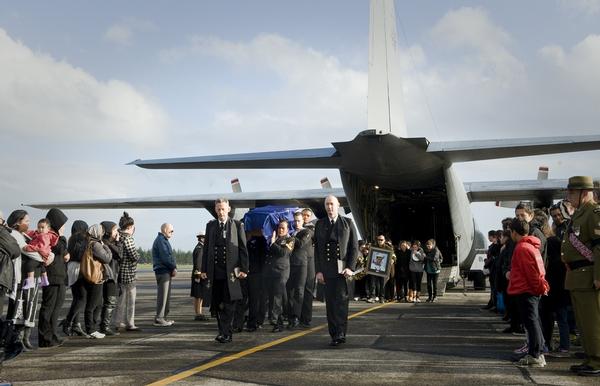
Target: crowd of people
{"points": [[540, 275], [98, 263], [543, 275], [403, 280]]}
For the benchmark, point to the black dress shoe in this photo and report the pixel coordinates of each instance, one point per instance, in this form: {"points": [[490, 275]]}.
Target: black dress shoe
{"points": [[577, 368], [223, 338], [49, 344], [294, 323], [589, 371], [334, 343], [238, 330], [251, 329], [12, 350], [304, 324], [277, 328], [109, 332]]}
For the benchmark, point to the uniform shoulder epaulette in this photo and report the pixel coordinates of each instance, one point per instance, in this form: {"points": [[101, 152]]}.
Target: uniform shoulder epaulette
{"points": [[597, 209]]}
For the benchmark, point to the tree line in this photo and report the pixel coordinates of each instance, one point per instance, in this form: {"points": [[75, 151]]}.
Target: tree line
{"points": [[181, 257]]}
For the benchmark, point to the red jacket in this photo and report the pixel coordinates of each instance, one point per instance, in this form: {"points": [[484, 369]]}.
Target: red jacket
{"points": [[527, 269], [41, 243]]}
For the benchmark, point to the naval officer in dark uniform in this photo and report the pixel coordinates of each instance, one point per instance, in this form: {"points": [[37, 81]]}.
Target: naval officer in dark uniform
{"points": [[302, 256], [277, 271], [335, 240], [224, 264]]}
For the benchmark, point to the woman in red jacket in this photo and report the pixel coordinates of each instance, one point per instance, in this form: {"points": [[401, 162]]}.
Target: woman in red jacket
{"points": [[527, 284]]}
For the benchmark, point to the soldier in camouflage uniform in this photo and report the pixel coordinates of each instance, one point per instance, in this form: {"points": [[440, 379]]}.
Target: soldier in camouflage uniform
{"points": [[581, 254]]}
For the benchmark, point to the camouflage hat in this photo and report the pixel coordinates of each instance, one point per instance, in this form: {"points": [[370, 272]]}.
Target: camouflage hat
{"points": [[580, 183]]}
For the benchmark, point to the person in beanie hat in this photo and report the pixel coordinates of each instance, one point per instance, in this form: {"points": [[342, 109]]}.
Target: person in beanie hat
{"points": [[581, 254], [76, 246], [53, 295]]}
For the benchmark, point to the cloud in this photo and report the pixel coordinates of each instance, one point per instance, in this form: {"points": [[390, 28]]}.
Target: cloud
{"points": [[119, 34], [122, 33], [43, 97], [312, 91], [477, 86], [586, 7], [486, 43], [580, 64]]}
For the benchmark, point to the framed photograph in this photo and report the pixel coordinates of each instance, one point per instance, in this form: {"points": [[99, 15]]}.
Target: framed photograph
{"points": [[379, 262]]}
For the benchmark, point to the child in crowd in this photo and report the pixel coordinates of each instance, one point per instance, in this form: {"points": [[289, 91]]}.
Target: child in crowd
{"points": [[42, 242]]}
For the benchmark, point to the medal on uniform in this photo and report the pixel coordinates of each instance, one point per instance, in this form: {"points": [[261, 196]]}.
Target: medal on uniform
{"points": [[576, 230]]}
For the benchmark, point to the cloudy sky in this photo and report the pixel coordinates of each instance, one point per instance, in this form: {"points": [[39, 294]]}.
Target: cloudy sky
{"points": [[86, 87]]}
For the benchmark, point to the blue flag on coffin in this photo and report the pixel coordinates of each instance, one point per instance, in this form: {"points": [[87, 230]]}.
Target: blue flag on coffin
{"points": [[264, 220]]}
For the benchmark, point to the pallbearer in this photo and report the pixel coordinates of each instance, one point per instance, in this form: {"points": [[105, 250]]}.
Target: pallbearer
{"points": [[224, 264], [277, 271], [335, 240]]}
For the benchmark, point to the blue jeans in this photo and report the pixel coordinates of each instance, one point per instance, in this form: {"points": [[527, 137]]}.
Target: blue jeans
{"points": [[529, 310]]}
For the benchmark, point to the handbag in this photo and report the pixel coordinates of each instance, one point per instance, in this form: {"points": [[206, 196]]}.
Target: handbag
{"points": [[90, 268]]}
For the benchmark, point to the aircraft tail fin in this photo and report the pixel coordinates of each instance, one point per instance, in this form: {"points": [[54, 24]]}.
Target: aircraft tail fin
{"points": [[385, 108]]}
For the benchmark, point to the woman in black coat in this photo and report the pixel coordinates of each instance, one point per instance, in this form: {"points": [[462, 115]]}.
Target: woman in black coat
{"points": [[198, 285], [78, 243], [53, 295]]}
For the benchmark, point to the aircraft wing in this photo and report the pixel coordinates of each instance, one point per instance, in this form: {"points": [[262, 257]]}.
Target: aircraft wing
{"points": [[533, 190], [289, 159], [301, 198], [461, 151]]}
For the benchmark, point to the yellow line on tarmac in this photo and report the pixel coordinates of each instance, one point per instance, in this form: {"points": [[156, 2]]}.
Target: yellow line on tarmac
{"points": [[241, 354]]}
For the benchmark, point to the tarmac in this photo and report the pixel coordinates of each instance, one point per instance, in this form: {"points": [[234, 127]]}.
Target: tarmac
{"points": [[450, 342]]}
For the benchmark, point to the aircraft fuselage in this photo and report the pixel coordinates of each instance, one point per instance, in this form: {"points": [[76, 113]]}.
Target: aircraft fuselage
{"points": [[395, 187]]}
